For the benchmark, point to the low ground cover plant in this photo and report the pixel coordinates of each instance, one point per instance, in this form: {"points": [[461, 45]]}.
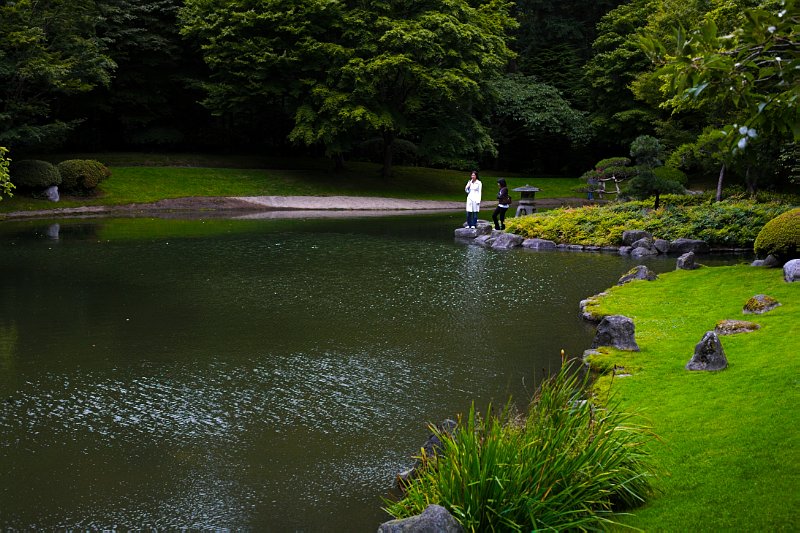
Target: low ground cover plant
{"points": [[731, 223], [565, 464]]}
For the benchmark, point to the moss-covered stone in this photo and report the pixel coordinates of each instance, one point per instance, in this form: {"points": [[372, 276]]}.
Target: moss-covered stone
{"points": [[780, 236], [730, 327], [759, 304]]}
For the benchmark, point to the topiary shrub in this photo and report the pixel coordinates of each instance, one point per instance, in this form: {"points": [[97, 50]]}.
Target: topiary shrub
{"points": [[671, 174], [34, 174], [780, 236], [82, 175]]}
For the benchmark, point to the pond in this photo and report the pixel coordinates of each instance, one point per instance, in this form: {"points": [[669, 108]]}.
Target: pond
{"points": [[258, 374]]}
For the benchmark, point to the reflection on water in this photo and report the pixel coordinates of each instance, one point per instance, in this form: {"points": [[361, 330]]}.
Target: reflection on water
{"points": [[267, 374]]}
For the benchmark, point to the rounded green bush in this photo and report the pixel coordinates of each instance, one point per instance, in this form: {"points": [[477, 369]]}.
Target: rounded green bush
{"points": [[34, 174], [671, 174], [82, 174], [780, 236]]}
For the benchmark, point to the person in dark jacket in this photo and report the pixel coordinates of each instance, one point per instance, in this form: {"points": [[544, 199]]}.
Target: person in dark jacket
{"points": [[503, 203]]}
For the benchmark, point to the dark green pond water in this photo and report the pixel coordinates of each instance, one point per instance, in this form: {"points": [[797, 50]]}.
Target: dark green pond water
{"points": [[257, 374]]}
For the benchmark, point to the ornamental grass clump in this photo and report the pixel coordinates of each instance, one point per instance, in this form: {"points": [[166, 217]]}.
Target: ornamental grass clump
{"points": [[566, 464]]}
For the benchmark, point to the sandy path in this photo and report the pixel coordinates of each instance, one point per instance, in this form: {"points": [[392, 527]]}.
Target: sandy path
{"points": [[269, 206]]}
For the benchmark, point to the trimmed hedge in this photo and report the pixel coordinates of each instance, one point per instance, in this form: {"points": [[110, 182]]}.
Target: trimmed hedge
{"points": [[34, 174], [82, 174], [780, 236]]}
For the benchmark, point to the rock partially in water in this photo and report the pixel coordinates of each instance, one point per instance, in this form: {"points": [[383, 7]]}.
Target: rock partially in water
{"points": [[631, 236], [507, 241], [640, 251], [434, 519], [539, 244], [682, 246], [686, 262], [586, 314], [662, 245], [430, 448], [616, 331], [760, 304], [708, 354]]}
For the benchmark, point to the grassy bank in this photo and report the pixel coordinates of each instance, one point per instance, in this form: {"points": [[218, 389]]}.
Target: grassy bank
{"points": [[729, 439], [140, 178]]}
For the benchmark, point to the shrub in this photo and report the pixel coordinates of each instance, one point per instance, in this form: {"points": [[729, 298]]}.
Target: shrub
{"points": [[5, 180], [780, 236], [564, 466], [671, 174], [82, 174], [34, 174]]}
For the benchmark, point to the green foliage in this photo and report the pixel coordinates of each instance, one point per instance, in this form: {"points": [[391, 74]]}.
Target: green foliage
{"points": [[667, 173], [5, 178], [81, 175], [780, 236], [565, 466], [34, 174], [49, 49], [734, 222], [349, 71], [647, 151]]}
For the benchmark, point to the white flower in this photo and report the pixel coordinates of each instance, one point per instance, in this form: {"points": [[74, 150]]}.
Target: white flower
{"points": [[771, 29], [742, 143], [752, 133], [743, 130], [781, 14]]}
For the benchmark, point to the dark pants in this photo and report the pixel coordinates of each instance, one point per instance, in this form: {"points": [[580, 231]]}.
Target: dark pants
{"points": [[499, 213], [472, 218]]}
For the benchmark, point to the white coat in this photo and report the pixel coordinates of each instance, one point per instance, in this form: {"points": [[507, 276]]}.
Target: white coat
{"points": [[473, 190]]}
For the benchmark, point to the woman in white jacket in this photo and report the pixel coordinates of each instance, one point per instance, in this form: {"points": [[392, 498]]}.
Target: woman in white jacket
{"points": [[473, 190]]}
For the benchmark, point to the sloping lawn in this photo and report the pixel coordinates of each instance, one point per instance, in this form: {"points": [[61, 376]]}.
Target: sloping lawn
{"points": [[729, 440]]}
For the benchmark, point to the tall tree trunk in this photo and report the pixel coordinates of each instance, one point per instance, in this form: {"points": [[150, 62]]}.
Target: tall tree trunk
{"points": [[338, 162], [719, 182], [658, 198], [388, 141], [751, 180]]}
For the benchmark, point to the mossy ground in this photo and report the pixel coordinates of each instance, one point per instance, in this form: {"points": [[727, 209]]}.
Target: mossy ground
{"points": [[728, 440]]}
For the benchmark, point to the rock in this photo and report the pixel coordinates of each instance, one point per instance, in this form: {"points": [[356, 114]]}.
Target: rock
{"points": [[591, 248], [791, 270], [506, 241], [616, 331], [584, 311], [638, 253], [644, 242], [609, 248], [686, 262], [689, 245], [662, 245], [431, 447], [484, 240], [469, 233], [770, 262], [631, 236], [708, 354], [625, 250], [434, 519], [539, 244], [730, 327], [51, 193], [637, 272], [760, 304], [575, 247]]}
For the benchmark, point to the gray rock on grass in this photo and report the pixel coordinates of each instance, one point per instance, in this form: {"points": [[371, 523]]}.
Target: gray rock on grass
{"points": [[434, 519], [616, 331], [708, 354]]}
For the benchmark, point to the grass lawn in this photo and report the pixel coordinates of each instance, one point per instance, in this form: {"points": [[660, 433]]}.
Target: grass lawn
{"points": [[140, 178], [728, 441]]}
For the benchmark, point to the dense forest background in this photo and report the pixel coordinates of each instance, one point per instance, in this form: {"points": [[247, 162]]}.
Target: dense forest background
{"points": [[535, 86]]}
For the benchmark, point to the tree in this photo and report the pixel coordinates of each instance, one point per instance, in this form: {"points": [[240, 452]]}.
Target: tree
{"points": [[349, 71], [746, 82], [647, 152], [48, 49]]}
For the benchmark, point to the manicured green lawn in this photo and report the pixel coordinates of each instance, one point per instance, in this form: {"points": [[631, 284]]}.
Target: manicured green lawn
{"points": [[728, 447], [140, 178]]}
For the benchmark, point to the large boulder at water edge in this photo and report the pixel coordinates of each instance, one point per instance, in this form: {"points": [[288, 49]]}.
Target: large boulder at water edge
{"points": [[434, 519], [791, 270], [637, 272], [661, 245], [616, 331], [631, 236], [539, 244], [770, 262], [682, 246], [483, 228], [708, 354], [506, 241], [686, 262], [430, 448]]}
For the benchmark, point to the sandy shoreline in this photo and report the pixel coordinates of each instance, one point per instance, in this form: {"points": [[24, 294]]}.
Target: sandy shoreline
{"points": [[270, 207]]}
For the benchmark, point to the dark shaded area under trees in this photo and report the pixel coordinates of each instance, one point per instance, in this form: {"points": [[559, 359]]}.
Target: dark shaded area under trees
{"points": [[539, 87]]}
